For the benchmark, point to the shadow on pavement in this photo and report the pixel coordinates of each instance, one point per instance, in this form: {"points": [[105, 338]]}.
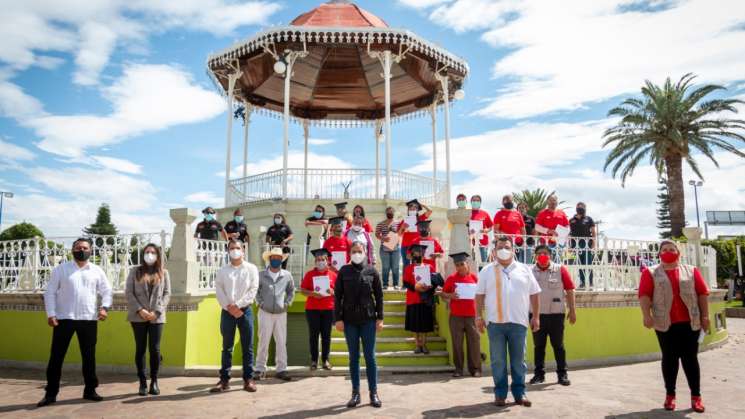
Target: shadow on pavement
{"points": [[303, 414], [466, 411], [80, 401], [654, 413]]}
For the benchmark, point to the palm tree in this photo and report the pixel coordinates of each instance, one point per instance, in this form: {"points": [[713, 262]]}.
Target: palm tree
{"points": [[535, 200], [666, 126]]}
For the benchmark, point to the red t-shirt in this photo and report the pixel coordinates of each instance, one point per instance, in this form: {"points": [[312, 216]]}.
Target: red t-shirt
{"points": [[337, 244], [412, 297], [510, 222], [367, 226], [481, 215], [409, 237], [312, 303], [458, 307], [678, 310], [550, 219], [566, 278], [438, 249]]}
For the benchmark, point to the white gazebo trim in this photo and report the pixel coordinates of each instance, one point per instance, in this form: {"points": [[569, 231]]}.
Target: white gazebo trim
{"points": [[247, 110], [444, 81], [232, 78]]}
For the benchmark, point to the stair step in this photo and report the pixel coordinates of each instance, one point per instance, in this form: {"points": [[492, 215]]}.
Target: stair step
{"points": [[394, 306], [396, 358], [340, 370], [389, 344], [389, 330]]}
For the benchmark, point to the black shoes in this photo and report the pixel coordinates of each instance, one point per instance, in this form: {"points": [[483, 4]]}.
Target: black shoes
{"points": [[564, 380], [284, 376], [313, 366], [154, 390], [46, 401], [375, 400], [355, 400], [537, 379], [143, 387], [92, 396]]}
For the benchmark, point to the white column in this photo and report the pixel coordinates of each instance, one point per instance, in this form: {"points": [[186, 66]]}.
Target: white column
{"points": [[444, 81], [433, 112], [378, 127], [232, 77], [288, 76], [388, 139], [248, 108], [305, 160]]}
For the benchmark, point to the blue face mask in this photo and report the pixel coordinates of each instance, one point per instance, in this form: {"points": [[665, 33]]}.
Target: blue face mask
{"points": [[275, 263], [239, 219], [475, 204], [317, 214], [209, 217]]}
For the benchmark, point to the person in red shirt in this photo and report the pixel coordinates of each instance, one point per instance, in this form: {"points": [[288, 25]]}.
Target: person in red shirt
{"points": [[508, 221], [414, 208], [337, 243], [463, 316], [678, 321], [549, 218], [477, 214], [420, 317], [359, 211], [319, 307], [425, 239]]}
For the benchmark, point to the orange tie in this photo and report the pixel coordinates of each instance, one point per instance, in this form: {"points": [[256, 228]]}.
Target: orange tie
{"points": [[498, 277]]}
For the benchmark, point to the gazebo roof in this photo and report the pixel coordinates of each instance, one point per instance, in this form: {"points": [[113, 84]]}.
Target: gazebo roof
{"points": [[339, 80]]}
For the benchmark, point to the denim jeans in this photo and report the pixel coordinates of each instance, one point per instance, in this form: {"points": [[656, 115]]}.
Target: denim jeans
{"points": [[365, 332], [245, 326], [585, 258], [484, 250], [404, 259], [510, 337], [524, 254], [390, 260]]}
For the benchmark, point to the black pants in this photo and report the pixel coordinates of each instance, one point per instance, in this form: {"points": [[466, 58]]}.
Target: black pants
{"points": [[552, 327], [319, 323], [86, 330], [680, 342], [147, 336]]}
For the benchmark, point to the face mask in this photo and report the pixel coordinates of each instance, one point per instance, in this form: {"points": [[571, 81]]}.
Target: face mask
{"points": [[275, 263], [81, 255], [669, 257], [238, 218], [358, 258], [209, 217], [150, 258], [543, 260], [413, 212], [236, 254], [424, 232], [475, 204], [277, 221], [317, 214], [461, 204], [357, 229], [581, 211], [508, 205], [504, 254], [322, 265], [389, 215], [416, 258]]}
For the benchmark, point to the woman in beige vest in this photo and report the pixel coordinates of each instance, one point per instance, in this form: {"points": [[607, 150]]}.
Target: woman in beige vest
{"points": [[674, 301]]}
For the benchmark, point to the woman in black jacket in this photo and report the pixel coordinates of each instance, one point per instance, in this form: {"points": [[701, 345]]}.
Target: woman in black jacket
{"points": [[359, 314]]}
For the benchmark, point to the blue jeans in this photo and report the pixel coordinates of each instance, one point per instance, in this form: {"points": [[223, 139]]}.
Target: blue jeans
{"points": [[245, 326], [390, 260], [366, 332], [524, 254], [484, 250], [504, 337], [585, 258], [404, 259]]}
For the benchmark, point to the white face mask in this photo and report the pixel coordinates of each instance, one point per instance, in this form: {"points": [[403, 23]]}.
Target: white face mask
{"points": [[322, 265], [236, 254], [414, 212], [358, 258], [150, 258], [357, 228], [504, 254], [277, 221]]}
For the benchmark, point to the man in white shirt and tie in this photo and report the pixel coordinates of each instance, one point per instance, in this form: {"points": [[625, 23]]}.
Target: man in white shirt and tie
{"points": [[508, 290], [235, 288], [71, 302]]}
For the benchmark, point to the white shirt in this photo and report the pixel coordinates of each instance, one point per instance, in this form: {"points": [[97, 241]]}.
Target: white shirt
{"points": [[72, 292], [517, 285], [357, 236], [237, 285]]}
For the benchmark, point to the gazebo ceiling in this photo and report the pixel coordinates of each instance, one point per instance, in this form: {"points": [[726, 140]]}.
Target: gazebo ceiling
{"points": [[338, 79]]}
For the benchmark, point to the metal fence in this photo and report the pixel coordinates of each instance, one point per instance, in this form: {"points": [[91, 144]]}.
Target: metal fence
{"points": [[26, 265]]}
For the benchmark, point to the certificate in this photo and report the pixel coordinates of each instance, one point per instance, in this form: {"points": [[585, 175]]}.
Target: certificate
{"points": [[321, 285], [430, 250], [422, 274], [392, 242], [475, 226], [338, 259], [562, 233], [465, 291], [410, 221]]}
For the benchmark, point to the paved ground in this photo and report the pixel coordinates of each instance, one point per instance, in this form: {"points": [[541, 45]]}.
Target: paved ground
{"points": [[619, 392]]}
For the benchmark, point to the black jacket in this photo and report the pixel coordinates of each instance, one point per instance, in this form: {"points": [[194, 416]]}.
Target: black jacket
{"points": [[358, 294]]}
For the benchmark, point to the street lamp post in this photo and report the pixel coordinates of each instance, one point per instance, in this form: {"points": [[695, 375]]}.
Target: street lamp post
{"points": [[3, 195], [696, 185]]}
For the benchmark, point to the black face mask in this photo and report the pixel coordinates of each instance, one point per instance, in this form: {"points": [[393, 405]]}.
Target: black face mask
{"points": [[81, 255], [581, 211], [423, 232], [389, 215], [416, 258], [508, 205]]}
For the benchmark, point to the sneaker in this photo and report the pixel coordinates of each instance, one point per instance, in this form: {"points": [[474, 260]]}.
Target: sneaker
{"points": [[222, 385], [457, 374], [476, 374], [92, 396], [425, 350], [537, 379], [418, 350], [313, 366], [327, 365], [564, 380], [260, 375], [46, 401], [669, 402], [697, 404], [284, 376]]}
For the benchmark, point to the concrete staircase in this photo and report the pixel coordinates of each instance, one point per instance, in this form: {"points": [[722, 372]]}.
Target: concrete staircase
{"points": [[394, 345]]}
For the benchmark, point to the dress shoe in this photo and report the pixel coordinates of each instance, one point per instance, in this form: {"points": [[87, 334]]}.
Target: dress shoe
{"points": [[143, 387], [46, 401], [313, 366], [375, 400], [222, 385], [92, 396], [154, 389], [355, 400], [284, 376], [523, 402], [669, 402], [564, 380], [457, 374], [327, 365], [697, 404], [537, 379], [249, 386], [500, 402], [258, 376]]}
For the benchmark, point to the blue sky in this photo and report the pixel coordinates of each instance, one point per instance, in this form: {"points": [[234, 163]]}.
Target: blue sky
{"points": [[110, 102]]}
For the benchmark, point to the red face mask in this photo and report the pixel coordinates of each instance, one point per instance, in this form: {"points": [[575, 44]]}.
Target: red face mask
{"points": [[669, 257], [543, 260]]}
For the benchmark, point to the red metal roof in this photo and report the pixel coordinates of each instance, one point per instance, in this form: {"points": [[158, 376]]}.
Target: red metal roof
{"points": [[339, 13]]}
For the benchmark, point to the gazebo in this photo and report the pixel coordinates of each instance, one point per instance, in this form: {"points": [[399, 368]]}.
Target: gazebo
{"points": [[338, 66]]}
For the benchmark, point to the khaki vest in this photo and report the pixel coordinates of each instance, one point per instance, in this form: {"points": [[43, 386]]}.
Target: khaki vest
{"points": [[552, 289], [662, 298]]}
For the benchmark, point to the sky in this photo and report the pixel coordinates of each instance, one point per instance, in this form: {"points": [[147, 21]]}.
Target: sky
{"points": [[110, 101]]}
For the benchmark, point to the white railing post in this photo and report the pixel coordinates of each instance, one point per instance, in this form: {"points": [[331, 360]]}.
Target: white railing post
{"points": [[232, 78]]}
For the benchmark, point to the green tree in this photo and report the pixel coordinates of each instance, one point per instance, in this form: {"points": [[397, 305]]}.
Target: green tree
{"points": [[665, 127], [21, 231], [663, 209], [103, 225], [536, 199]]}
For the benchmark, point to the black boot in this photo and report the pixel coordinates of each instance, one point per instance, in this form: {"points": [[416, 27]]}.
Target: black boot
{"points": [[154, 390], [46, 401], [355, 400], [375, 400], [143, 387]]}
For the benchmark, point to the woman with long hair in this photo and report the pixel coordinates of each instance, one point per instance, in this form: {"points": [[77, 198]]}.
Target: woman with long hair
{"points": [[148, 291]]}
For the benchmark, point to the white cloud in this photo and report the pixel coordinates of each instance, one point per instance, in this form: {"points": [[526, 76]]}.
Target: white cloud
{"points": [[295, 160], [566, 55], [205, 197], [11, 152], [119, 165], [421, 4], [96, 43], [15, 103], [320, 141]]}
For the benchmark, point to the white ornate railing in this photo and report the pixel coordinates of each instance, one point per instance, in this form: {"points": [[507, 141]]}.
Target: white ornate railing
{"points": [[26, 265], [329, 184]]}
